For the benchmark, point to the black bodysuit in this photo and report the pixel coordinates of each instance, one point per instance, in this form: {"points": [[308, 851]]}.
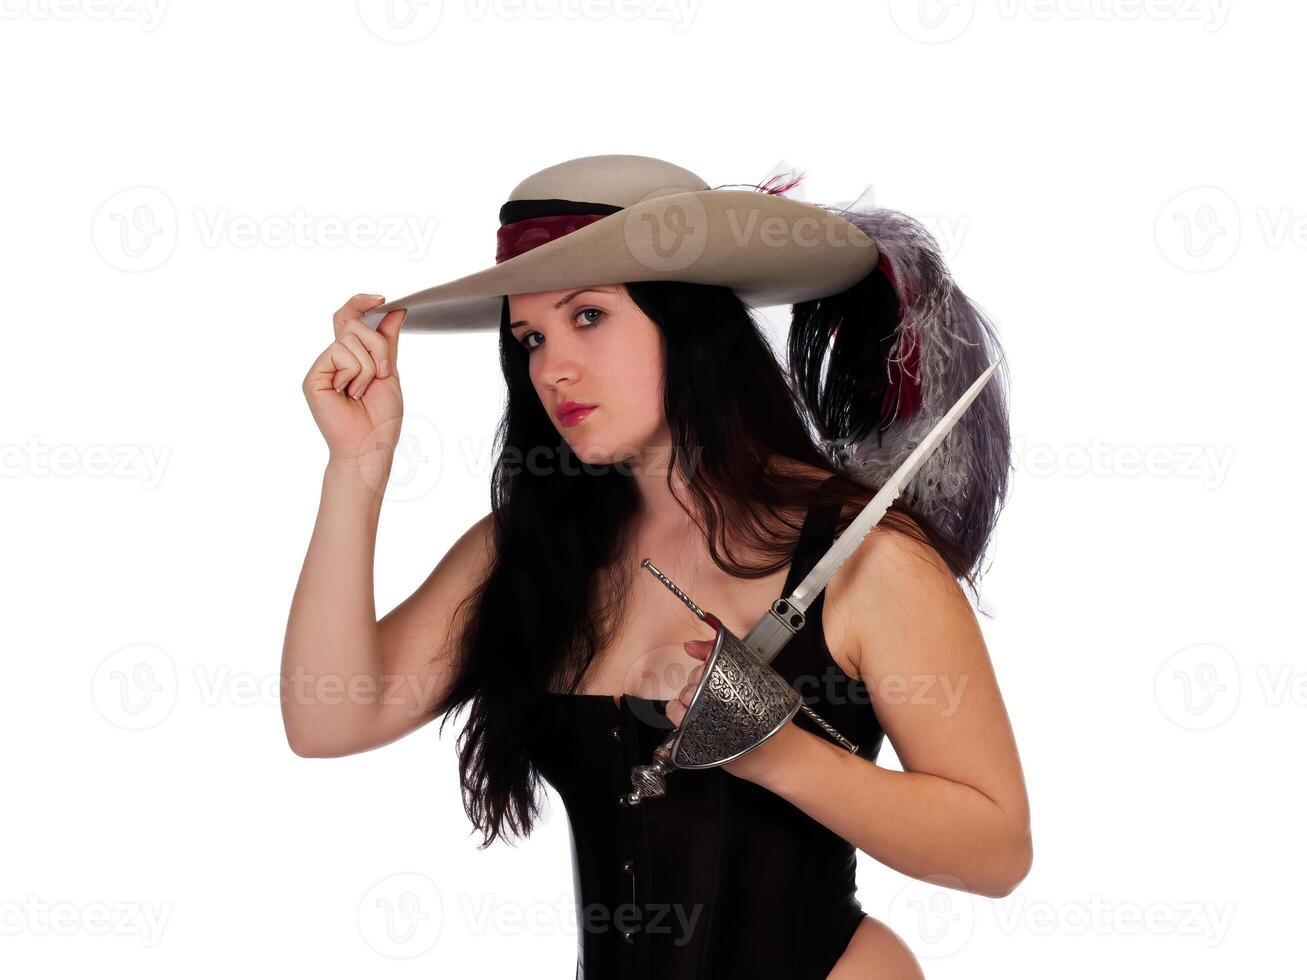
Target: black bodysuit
{"points": [[720, 878]]}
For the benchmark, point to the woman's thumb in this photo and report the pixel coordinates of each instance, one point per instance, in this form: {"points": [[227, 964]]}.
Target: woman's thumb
{"points": [[389, 328]]}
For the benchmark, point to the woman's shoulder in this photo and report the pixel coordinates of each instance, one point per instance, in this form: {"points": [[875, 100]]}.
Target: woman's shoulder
{"points": [[896, 539]]}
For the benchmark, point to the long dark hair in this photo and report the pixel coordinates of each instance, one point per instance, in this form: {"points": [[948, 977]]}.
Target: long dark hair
{"points": [[555, 592]]}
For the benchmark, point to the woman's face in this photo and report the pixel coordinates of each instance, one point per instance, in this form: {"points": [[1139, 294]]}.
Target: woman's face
{"points": [[594, 346]]}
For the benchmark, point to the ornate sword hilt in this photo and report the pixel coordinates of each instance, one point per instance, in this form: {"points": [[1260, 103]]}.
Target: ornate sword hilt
{"points": [[740, 702]]}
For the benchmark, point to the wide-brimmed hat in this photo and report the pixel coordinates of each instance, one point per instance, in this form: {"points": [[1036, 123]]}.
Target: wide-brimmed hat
{"points": [[619, 218]]}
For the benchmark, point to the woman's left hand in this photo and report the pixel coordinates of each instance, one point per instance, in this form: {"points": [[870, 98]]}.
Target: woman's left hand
{"points": [[753, 763]]}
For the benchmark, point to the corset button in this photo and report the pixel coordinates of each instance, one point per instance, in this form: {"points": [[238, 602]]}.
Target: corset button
{"points": [[627, 936], [629, 867], [616, 732]]}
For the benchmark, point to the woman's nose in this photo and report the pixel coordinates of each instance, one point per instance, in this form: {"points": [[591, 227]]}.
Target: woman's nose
{"points": [[559, 364]]}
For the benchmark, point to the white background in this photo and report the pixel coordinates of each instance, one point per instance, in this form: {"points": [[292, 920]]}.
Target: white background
{"points": [[1119, 184]]}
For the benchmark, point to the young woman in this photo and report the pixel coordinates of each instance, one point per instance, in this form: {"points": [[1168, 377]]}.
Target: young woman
{"points": [[650, 419]]}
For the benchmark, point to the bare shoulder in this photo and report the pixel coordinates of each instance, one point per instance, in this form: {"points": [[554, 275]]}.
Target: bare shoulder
{"points": [[895, 586], [889, 549], [475, 547]]}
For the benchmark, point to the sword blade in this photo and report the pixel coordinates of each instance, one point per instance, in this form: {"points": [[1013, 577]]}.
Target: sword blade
{"points": [[770, 634]]}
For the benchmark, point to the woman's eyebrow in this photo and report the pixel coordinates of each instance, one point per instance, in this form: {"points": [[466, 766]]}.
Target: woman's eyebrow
{"points": [[562, 302]]}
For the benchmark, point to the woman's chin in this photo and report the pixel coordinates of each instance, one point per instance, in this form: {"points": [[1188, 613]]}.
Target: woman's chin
{"points": [[594, 450], [592, 453]]}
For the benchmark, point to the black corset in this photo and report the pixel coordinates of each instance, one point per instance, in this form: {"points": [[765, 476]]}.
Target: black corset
{"points": [[719, 878]]}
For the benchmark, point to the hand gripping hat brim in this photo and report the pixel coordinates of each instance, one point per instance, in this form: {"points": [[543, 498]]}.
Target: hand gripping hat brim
{"points": [[620, 218]]}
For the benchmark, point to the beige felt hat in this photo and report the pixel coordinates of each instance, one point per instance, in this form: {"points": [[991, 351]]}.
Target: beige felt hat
{"points": [[620, 218]]}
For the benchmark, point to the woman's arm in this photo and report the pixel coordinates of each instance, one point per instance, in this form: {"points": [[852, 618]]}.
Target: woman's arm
{"points": [[350, 683], [960, 808]]}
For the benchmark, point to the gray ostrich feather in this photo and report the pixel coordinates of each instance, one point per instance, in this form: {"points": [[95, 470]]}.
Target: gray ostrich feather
{"points": [[963, 484]]}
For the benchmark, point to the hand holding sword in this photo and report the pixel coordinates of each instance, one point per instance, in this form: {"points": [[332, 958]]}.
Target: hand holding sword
{"points": [[753, 763], [739, 701]]}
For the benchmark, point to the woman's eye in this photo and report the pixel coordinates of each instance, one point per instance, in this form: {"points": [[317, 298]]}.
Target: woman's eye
{"points": [[587, 323]]}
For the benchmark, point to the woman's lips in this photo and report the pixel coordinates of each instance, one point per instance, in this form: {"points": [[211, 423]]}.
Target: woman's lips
{"points": [[576, 415]]}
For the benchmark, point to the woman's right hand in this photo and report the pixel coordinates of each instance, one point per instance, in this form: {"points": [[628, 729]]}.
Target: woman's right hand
{"points": [[353, 388]]}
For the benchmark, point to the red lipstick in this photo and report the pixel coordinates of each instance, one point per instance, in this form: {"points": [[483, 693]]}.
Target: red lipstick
{"points": [[571, 412]]}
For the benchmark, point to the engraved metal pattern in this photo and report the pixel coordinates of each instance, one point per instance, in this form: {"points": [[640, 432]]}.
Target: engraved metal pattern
{"points": [[740, 703]]}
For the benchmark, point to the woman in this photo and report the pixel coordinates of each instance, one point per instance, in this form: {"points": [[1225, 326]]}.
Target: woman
{"points": [[649, 418]]}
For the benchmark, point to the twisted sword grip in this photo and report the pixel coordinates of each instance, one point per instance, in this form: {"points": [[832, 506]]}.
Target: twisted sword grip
{"points": [[651, 780]]}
